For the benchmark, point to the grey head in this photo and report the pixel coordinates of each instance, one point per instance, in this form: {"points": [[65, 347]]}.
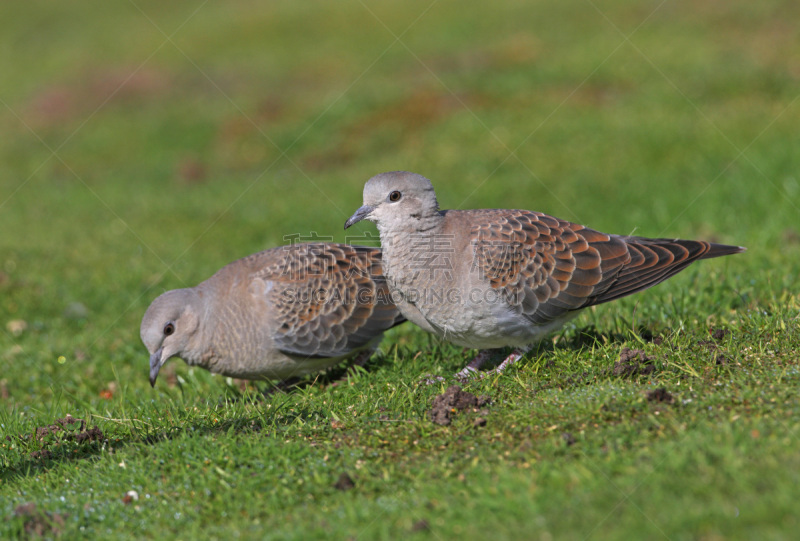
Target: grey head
{"points": [[169, 327], [397, 201]]}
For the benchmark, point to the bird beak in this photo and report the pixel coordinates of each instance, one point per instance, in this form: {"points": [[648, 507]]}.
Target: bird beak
{"points": [[155, 365], [359, 215]]}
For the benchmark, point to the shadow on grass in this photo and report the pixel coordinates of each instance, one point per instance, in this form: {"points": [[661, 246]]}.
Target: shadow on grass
{"points": [[580, 339], [69, 440], [590, 336]]}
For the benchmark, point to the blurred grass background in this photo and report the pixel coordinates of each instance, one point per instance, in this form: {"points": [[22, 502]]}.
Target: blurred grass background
{"points": [[145, 145]]}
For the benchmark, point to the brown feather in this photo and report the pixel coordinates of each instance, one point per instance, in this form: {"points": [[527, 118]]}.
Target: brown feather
{"points": [[329, 299], [548, 267]]}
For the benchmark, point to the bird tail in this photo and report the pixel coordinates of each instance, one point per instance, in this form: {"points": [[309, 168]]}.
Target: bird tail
{"points": [[691, 250], [655, 260], [719, 250]]}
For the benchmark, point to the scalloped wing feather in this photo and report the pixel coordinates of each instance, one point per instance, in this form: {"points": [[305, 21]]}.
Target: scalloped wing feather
{"points": [[328, 299], [546, 267]]}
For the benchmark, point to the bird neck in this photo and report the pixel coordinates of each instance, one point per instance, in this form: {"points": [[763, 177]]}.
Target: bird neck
{"points": [[416, 249], [426, 222], [194, 350]]}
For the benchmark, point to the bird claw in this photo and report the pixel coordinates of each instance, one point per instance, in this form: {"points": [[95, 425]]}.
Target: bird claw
{"points": [[467, 373], [471, 370], [432, 380]]}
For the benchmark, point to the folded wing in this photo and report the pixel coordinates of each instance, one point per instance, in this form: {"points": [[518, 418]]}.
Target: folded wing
{"points": [[546, 267], [329, 299]]}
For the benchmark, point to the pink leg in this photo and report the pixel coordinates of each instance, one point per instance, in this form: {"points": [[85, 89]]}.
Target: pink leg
{"points": [[359, 360], [471, 369], [475, 364], [511, 359]]}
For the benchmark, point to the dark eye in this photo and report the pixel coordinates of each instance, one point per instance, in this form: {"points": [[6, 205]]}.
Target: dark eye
{"points": [[169, 328], [395, 196]]}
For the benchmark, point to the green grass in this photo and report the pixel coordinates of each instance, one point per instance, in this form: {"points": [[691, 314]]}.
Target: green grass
{"points": [[131, 164]]}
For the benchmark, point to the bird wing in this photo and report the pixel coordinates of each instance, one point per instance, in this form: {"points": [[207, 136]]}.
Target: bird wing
{"points": [[328, 299], [547, 267]]}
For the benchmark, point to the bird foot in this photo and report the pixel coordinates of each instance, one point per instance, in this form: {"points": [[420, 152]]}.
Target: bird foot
{"points": [[471, 370], [430, 379], [359, 360]]}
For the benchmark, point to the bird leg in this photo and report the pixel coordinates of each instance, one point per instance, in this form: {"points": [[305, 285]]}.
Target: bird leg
{"points": [[511, 359], [475, 364], [359, 360], [467, 372], [480, 359]]}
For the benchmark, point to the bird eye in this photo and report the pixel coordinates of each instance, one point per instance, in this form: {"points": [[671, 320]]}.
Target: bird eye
{"points": [[395, 196], [169, 328]]}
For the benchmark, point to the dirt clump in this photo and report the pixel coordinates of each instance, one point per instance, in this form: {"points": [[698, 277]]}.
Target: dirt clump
{"points": [[714, 348], [65, 429], [452, 401], [722, 360], [344, 483], [791, 236], [421, 526], [720, 334], [93, 434], [660, 395], [39, 523], [61, 425], [633, 362], [190, 171], [44, 454]]}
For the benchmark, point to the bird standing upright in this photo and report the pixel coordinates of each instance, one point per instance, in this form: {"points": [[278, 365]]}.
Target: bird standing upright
{"points": [[284, 312], [492, 278]]}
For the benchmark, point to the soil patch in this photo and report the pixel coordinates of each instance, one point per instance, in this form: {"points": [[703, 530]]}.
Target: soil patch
{"points": [[660, 395], [633, 362], [63, 425], [421, 526], [713, 347], [93, 434], [344, 483], [39, 523], [720, 334], [69, 428], [453, 400], [65, 429]]}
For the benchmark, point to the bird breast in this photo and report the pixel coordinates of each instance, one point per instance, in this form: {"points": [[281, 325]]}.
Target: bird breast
{"points": [[435, 285]]}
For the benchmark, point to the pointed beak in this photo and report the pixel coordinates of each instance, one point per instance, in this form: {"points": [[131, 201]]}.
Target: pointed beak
{"points": [[155, 365], [359, 215]]}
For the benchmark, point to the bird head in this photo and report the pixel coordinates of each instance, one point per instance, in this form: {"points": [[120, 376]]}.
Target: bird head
{"points": [[168, 327], [397, 200]]}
